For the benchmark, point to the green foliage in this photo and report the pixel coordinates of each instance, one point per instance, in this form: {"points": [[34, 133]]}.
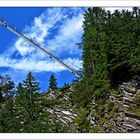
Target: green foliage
{"points": [[52, 83], [123, 47], [111, 49], [95, 82], [28, 99], [101, 87], [27, 112], [135, 107], [6, 86], [8, 122], [50, 103], [82, 121]]}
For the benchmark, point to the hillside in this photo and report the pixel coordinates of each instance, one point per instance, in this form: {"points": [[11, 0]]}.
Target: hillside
{"points": [[121, 109], [105, 99]]}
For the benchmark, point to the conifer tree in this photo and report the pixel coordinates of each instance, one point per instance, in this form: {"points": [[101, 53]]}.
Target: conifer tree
{"points": [[110, 55], [8, 121], [52, 82], [6, 86], [27, 100], [31, 85], [32, 115], [95, 79]]}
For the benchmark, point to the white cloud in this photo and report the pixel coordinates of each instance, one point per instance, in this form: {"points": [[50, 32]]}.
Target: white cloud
{"points": [[23, 47], [74, 63], [60, 29], [68, 32], [39, 66]]}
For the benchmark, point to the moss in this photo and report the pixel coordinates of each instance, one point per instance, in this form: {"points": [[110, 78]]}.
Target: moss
{"points": [[134, 110], [112, 127], [82, 121], [109, 106]]}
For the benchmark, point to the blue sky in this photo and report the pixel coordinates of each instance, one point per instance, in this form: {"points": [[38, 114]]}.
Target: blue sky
{"points": [[56, 29]]}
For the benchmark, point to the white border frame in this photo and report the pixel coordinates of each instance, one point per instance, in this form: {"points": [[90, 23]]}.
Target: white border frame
{"points": [[69, 3], [71, 136]]}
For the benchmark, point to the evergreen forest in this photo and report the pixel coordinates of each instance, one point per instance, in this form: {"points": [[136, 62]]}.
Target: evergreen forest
{"points": [[107, 93]]}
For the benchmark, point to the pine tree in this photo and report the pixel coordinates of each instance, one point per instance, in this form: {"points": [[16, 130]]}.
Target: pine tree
{"points": [[31, 109], [8, 121], [52, 82], [27, 101], [31, 85], [6, 86], [110, 55], [95, 80], [20, 89]]}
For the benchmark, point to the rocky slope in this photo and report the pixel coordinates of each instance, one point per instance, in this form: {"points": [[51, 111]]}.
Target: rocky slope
{"points": [[62, 107], [125, 109], [121, 110], [131, 104]]}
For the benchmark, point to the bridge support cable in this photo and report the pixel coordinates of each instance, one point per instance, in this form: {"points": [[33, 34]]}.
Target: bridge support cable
{"points": [[24, 37]]}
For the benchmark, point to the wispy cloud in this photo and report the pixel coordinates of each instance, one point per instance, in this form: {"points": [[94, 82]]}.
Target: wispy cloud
{"points": [[60, 29], [69, 34], [39, 66]]}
